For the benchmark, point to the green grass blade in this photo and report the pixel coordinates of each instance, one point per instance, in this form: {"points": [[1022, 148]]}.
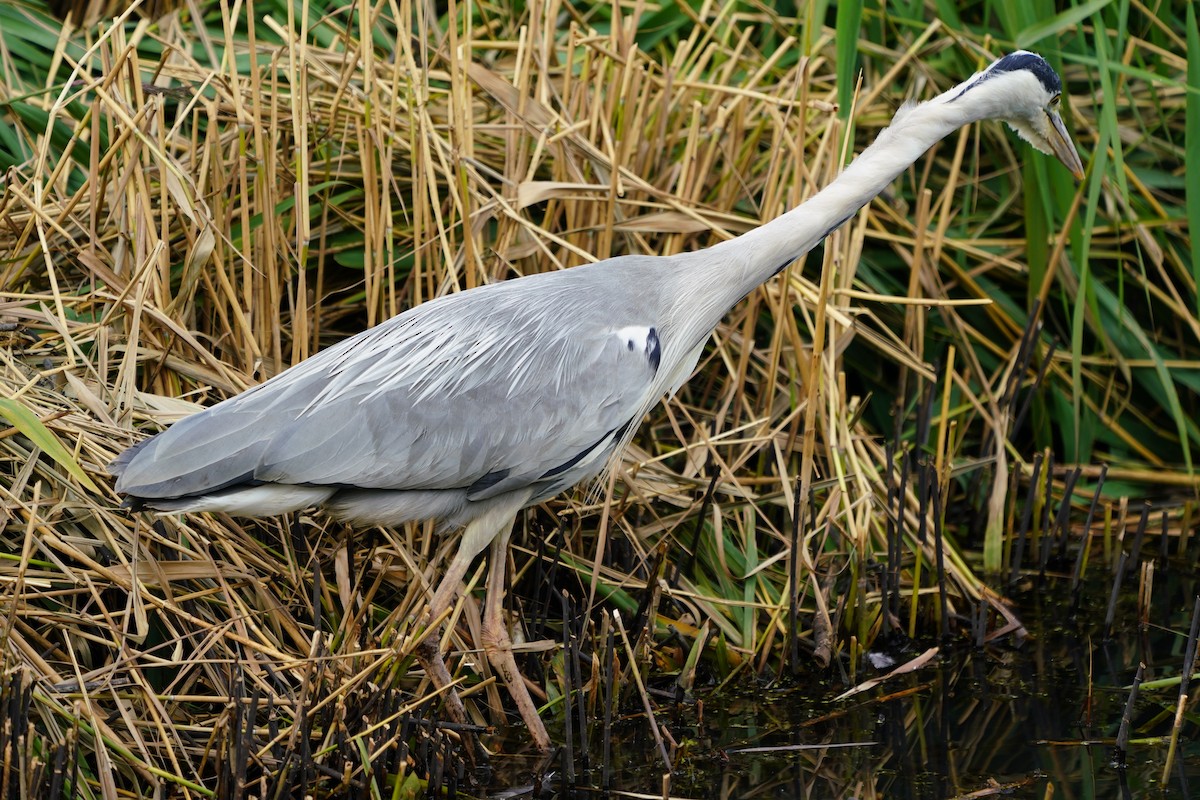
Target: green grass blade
{"points": [[1192, 140], [1136, 342], [750, 584], [849, 20], [1110, 132], [35, 431], [1058, 23]]}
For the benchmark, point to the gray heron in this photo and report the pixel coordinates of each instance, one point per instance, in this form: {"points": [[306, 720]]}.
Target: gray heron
{"points": [[470, 407]]}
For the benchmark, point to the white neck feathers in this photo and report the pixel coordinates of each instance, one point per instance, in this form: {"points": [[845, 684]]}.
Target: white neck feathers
{"points": [[741, 264]]}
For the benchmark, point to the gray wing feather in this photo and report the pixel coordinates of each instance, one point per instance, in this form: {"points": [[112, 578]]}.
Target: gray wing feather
{"points": [[487, 390]]}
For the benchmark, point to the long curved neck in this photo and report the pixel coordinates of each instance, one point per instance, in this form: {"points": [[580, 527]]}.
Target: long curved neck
{"points": [[728, 271]]}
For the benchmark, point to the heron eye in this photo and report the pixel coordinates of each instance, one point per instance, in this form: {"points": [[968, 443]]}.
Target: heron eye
{"points": [[1054, 101]]}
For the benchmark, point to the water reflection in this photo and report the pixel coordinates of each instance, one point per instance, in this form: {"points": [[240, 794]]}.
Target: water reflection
{"points": [[1029, 719]]}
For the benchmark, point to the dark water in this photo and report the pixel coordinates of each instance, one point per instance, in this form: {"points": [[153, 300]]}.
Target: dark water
{"points": [[1023, 718]]}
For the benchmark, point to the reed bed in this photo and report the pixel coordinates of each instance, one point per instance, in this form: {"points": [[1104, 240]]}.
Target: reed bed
{"points": [[878, 442]]}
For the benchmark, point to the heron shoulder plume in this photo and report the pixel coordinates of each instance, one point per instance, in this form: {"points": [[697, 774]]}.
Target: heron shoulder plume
{"points": [[470, 407]]}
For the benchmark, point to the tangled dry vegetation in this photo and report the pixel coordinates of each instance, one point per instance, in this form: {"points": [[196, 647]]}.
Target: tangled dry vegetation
{"points": [[211, 196]]}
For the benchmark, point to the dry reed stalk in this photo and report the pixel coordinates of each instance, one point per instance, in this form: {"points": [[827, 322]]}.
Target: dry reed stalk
{"points": [[258, 186]]}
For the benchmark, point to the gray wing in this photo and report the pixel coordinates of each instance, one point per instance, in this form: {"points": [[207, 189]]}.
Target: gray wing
{"points": [[489, 390]]}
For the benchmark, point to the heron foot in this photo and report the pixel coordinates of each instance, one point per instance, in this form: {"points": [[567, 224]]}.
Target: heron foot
{"points": [[429, 655], [498, 646]]}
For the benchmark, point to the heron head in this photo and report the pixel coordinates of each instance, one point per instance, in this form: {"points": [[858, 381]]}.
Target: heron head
{"points": [[1024, 90]]}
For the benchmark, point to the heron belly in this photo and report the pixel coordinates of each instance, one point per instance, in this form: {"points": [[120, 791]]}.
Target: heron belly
{"points": [[266, 500]]}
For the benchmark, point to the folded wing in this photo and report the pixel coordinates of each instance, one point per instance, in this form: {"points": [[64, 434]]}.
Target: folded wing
{"points": [[484, 391]]}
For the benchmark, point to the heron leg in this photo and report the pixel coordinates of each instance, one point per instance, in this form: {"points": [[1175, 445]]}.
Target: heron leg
{"points": [[492, 523], [498, 645], [429, 650]]}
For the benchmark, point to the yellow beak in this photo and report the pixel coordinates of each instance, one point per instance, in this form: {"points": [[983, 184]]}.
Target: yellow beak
{"points": [[1060, 143]]}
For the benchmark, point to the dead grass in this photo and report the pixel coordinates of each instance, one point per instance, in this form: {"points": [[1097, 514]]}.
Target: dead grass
{"points": [[207, 203]]}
